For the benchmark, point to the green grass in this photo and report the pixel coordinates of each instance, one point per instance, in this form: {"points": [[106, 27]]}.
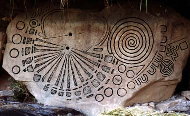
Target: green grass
{"points": [[21, 92], [139, 111]]}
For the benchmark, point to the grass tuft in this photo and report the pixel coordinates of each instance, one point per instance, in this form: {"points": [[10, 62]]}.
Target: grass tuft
{"points": [[139, 111]]}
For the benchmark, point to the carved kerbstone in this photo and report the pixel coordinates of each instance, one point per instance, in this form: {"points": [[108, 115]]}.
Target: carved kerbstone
{"points": [[94, 61]]}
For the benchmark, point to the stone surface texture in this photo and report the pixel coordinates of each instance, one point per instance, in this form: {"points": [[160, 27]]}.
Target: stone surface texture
{"points": [[28, 109], [96, 61], [2, 45], [186, 94], [176, 103], [6, 93]]}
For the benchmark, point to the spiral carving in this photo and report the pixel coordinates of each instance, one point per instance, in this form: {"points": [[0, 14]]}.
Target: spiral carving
{"points": [[131, 40]]}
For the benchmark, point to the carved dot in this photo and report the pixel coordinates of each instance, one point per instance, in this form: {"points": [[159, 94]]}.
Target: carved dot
{"points": [[130, 73], [70, 34], [33, 23], [67, 48], [122, 68]]}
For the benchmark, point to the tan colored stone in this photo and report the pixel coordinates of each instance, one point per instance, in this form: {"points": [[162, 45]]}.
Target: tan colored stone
{"points": [[151, 104], [186, 94], [96, 61]]}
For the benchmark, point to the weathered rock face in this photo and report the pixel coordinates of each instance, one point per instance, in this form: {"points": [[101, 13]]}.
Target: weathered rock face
{"points": [[2, 45], [26, 109], [94, 61]]}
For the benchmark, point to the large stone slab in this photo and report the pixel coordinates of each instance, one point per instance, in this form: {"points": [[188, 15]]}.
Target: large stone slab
{"points": [[95, 61]]}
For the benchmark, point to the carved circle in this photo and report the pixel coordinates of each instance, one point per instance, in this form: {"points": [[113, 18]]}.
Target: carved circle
{"points": [[99, 97], [108, 92], [131, 85], [16, 69], [122, 68], [20, 25], [14, 53], [117, 79], [130, 73], [17, 38], [131, 40], [37, 77], [121, 92], [33, 23]]}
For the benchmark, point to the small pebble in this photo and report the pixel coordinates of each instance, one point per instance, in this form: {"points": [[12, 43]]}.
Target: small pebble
{"points": [[145, 104], [152, 104]]}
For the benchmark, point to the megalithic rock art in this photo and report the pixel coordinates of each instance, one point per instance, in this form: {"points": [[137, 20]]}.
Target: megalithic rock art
{"points": [[95, 61]]}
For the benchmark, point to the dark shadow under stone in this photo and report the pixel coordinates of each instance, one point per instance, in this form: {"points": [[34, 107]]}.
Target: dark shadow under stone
{"points": [[15, 113], [64, 112]]}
